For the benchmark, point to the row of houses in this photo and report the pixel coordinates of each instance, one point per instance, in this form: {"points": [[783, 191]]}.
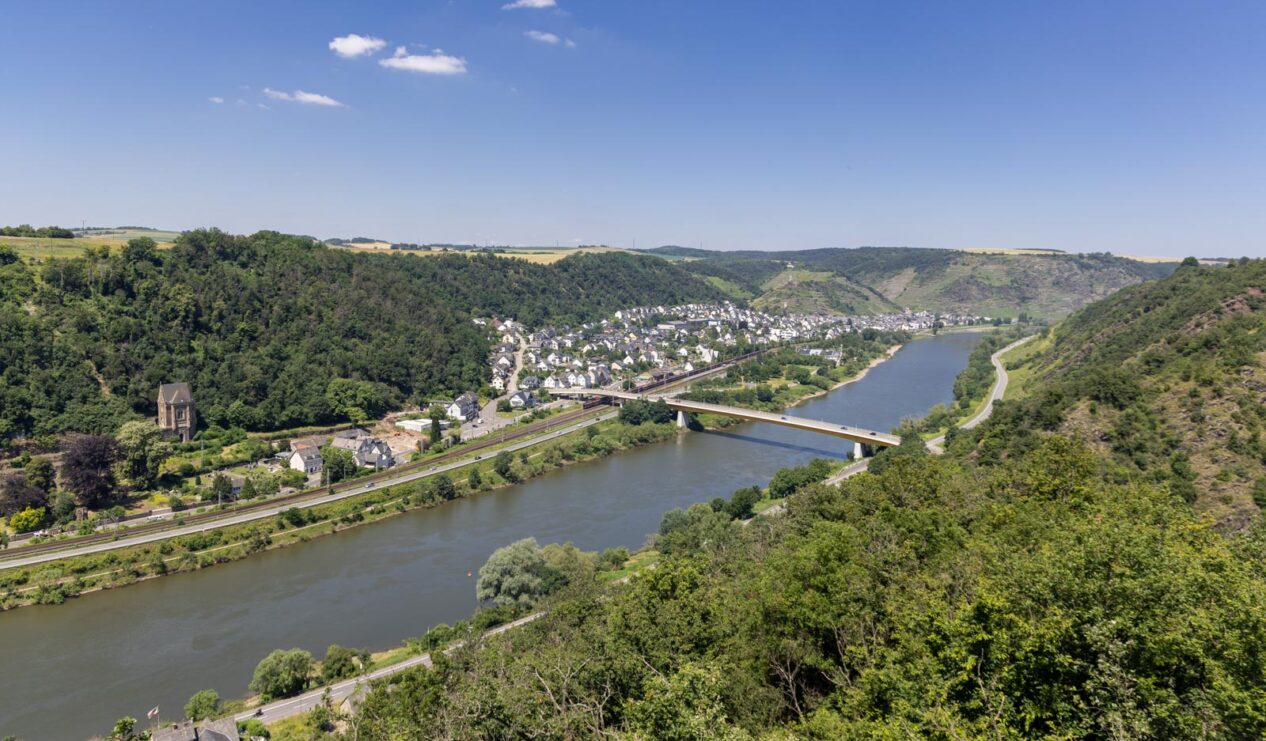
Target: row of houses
{"points": [[368, 451]]}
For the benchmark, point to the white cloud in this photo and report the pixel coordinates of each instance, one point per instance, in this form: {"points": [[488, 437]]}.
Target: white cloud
{"points": [[435, 63], [529, 4], [569, 44], [216, 99], [299, 96], [542, 36], [355, 45]]}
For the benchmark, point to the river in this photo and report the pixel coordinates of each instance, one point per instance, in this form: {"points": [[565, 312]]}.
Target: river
{"points": [[69, 670]]}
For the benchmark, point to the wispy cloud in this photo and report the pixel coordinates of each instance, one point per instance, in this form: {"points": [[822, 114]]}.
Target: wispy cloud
{"points": [[434, 63], [300, 96], [569, 43], [542, 36], [216, 99], [355, 45], [517, 4]]}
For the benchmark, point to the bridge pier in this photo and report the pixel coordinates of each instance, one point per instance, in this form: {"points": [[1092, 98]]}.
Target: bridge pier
{"points": [[862, 450], [683, 419]]}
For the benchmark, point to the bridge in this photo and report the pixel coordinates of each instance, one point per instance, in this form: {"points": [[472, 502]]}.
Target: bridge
{"points": [[864, 441]]}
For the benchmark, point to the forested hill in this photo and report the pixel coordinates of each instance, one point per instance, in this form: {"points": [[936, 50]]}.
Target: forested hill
{"points": [[1166, 380], [261, 325], [1036, 583], [882, 278]]}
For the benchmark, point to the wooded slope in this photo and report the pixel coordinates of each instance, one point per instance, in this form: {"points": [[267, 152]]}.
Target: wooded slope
{"points": [[261, 325]]}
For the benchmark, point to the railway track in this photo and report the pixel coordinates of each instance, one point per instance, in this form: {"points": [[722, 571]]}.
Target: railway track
{"points": [[209, 517]]}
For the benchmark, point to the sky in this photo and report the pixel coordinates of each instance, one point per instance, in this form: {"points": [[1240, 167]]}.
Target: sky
{"points": [[1130, 127]]}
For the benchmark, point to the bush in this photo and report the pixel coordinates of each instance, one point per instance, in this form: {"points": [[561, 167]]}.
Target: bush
{"points": [[741, 502], [282, 674], [341, 662], [28, 520], [202, 705]]}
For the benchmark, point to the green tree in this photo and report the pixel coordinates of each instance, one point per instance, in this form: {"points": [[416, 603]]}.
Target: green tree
{"points": [[142, 451], [437, 431], [39, 472], [338, 464], [282, 674], [204, 704], [741, 502], [29, 520], [221, 487], [355, 399], [512, 574], [125, 730], [341, 662], [503, 464], [443, 487], [475, 480], [685, 706]]}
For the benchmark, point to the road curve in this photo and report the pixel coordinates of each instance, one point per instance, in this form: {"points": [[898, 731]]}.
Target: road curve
{"points": [[997, 392]]}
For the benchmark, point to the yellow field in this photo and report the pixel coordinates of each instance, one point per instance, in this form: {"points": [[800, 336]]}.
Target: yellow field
{"points": [[30, 247], [45, 248], [542, 256], [1010, 251], [1016, 251]]}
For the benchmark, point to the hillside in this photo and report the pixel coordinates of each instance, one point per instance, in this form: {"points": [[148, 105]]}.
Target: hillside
{"points": [[931, 599], [261, 325], [870, 278], [1166, 380], [1037, 581]]}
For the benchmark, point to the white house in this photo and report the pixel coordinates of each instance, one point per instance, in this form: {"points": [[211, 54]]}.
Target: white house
{"points": [[306, 460], [464, 407]]}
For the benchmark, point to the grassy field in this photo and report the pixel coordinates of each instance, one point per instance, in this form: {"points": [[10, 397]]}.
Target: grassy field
{"points": [[540, 255], [41, 248], [122, 235], [1012, 251]]}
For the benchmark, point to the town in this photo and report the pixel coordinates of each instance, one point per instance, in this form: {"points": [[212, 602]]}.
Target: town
{"points": [[632, 347]]}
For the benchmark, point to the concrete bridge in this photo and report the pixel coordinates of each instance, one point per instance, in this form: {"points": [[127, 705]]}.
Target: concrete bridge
{"points": [[864, 441]]}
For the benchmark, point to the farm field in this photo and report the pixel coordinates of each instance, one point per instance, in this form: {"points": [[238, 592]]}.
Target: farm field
{"points": [[44, 248], [539, 255]]}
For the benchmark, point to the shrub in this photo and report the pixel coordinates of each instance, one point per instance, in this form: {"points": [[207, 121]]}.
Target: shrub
{"points": [[282, 674]]}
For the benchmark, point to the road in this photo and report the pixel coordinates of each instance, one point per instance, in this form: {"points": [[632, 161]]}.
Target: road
{"points": [[267, 512], [936, 444], [340, 691]]}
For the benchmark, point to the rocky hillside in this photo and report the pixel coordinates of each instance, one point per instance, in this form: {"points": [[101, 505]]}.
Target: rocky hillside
{"points": [[1166, 379], [882, 278]]}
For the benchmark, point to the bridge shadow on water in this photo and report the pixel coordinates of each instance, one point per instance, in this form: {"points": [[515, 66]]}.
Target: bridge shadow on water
{"points": [[838, 454]]}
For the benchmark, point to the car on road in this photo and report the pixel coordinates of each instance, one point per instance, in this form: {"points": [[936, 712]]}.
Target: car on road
{"points": [[434, 467], [370, 485], [784, 418]]}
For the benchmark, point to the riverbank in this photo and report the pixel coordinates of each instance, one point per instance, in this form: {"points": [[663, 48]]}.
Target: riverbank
{"points": [[52, 583]]}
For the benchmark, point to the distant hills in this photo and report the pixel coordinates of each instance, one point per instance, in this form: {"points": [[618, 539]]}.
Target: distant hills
{"points": [[868, 279]]}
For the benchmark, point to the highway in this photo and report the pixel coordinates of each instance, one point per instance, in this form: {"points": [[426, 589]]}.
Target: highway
{"points": [[267, 512]]}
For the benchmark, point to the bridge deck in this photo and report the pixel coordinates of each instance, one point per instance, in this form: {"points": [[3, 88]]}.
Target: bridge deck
{"points": [[856, 434]]}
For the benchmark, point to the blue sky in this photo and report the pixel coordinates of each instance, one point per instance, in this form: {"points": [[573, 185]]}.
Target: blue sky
{"points": [[1135, 127]]}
